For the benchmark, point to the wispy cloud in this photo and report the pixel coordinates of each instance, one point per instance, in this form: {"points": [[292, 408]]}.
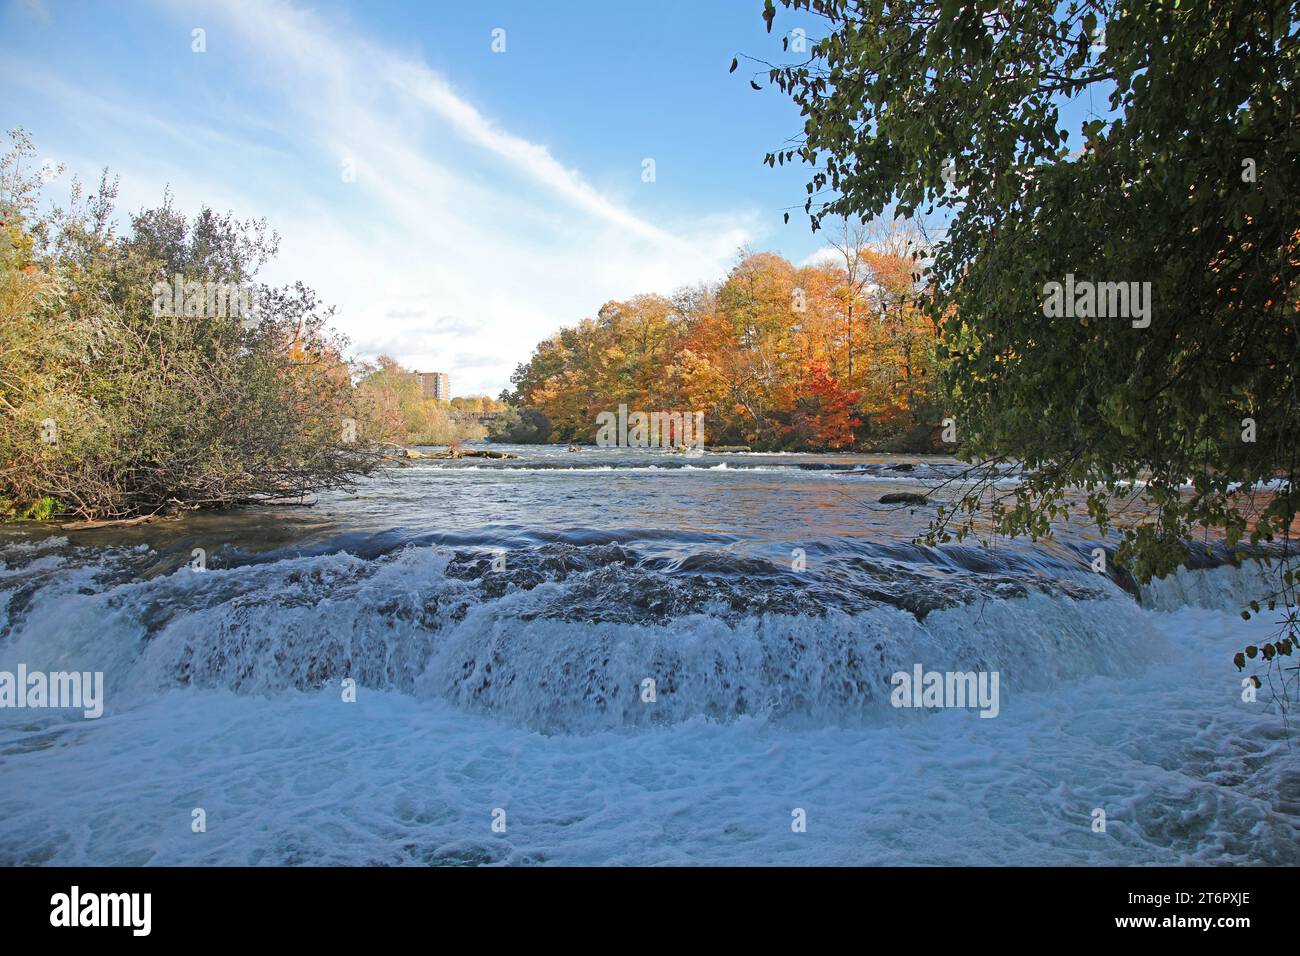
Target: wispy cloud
{"points": [[512, 254], [452, 238]]}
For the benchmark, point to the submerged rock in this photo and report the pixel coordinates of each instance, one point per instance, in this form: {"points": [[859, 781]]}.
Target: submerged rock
{"points": [[903, 498]]}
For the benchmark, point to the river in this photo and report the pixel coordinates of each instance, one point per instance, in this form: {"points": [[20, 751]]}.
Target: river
{"points": [[502, 622]]}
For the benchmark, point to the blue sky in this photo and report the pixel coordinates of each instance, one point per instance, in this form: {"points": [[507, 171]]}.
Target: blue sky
{"points": [[491, 197], [497, 196]]}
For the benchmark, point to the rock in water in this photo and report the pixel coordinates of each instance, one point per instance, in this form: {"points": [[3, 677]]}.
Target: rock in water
{"points": [[903, 498]]}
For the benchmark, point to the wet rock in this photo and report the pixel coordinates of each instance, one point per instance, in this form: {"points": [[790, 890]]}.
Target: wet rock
{"points": [[450, 454], [903, 498]]}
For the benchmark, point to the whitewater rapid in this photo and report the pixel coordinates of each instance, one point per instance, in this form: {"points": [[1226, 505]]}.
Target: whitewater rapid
{"points": [[519, 691]]}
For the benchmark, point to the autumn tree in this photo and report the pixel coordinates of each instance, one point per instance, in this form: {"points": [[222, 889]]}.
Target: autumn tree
{"points": [[743, 353], [115, 408], [825, 411]]}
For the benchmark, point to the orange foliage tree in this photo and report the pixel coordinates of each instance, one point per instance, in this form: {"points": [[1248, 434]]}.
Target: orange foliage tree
{"points": [[833, 355]]}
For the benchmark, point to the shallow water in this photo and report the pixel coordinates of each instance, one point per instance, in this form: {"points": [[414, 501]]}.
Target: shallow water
{"points": [[500, 619]]}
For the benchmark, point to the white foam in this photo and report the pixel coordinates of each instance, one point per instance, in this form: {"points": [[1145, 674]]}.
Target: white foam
{"points": [[1139, 714], [1186, 772]]}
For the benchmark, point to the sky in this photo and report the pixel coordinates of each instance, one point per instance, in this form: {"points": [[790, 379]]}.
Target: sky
{"points": [[456, 204]]}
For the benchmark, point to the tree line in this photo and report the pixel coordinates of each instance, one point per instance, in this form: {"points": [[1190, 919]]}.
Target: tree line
{"points": [[835, 354]]}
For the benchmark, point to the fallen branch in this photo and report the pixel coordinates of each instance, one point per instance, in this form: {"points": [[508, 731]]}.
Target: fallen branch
{"points": [[114, 522]]}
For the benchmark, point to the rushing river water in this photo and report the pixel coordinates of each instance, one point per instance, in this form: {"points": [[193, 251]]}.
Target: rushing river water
{"points": [[500, 620]]}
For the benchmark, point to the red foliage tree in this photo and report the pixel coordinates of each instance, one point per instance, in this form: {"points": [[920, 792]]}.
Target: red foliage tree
{"points": [[829, 409]]}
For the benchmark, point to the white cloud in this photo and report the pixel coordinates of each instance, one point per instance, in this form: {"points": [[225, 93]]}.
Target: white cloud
{"points": [[512, 253], [457, 237], [825, 256]]}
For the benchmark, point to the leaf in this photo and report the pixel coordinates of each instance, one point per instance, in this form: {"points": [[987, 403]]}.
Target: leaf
{"points": [[735, 62]]}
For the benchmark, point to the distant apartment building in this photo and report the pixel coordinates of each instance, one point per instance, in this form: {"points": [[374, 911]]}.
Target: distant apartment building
{"points": [[435, 385]]}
